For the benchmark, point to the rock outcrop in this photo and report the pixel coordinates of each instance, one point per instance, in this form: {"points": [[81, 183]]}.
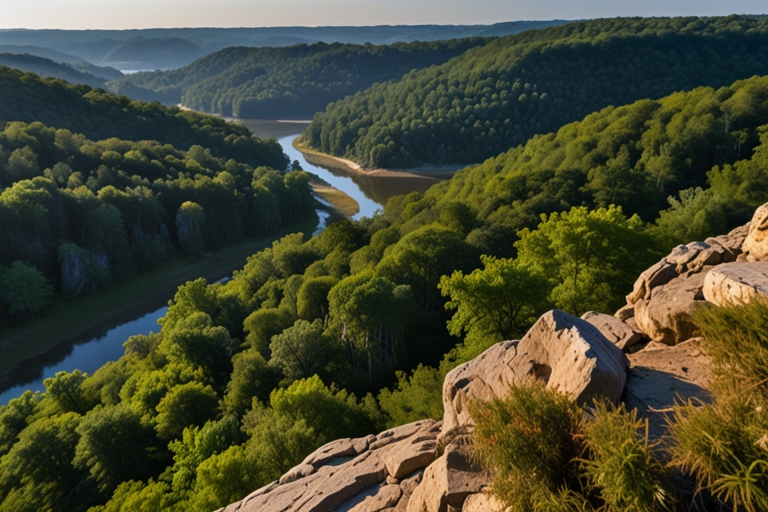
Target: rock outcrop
{"points": [[349, 470], [664, 296], [422, 466], [569, 353]]}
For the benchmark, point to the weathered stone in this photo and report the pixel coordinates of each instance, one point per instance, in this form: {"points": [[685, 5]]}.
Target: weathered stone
{"points": [[683, 254], [335, 450], [482, 502], [297, 472], [736, 283], [317, 486], [625, 313], [408, 486], [565, 351], [617, 332], [732, 242], [387, 497], [659, 274], [756, 243], [408, 455], [392, 480], [660, 376], [447, 481], [666, 315], [394, 435]]}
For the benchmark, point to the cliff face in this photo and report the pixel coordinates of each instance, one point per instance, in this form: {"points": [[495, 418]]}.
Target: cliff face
{"points": [[647, 355]]}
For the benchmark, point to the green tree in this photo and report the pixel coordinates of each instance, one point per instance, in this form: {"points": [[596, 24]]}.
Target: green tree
{"points": [[499, 302], [68, 392], [185, 405], [299, 350], [591, 258], [252, 377], [312, 301], [190, 224], [24, 288], [115, 446]]}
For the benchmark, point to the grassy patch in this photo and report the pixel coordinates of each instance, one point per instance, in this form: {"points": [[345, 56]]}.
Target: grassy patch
{"points": [[87, 316], [343, 203]]}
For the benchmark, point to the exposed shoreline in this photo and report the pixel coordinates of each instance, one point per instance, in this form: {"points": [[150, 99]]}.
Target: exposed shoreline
{"points": [[318, 158]]}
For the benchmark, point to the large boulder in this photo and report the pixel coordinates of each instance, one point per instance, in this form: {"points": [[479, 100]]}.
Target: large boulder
{"points": [[569, 353], [666, 315], [756, 243], [660, 376], [736, 283]]}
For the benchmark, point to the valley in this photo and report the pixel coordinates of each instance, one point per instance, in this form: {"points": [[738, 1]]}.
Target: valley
{"points": [[518, 266]]}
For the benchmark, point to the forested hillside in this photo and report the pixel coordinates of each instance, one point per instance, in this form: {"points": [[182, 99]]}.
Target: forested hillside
{"points": [[99, 115], [292, 82], [245, 379], [47, 68], [497, 96]]}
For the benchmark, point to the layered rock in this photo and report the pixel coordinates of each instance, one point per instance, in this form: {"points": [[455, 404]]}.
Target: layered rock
{"points": [[621, 334], [664, 296], [346, 470]]}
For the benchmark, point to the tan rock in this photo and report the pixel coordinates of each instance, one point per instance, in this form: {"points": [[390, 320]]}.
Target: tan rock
{"points": [[447, 482], [409, 455], [337, 449], [617, 332], [482, 502], [387, 497], [756, 243], [659, 274], [660, 376], [408, 486], [666, 316], [568, 353], [736, 283], [297, 472], [319, 485]]}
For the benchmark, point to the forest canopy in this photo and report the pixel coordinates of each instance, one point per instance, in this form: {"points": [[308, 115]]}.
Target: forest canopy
{"points": [[288, 82], [99, 115], [499, 95]]}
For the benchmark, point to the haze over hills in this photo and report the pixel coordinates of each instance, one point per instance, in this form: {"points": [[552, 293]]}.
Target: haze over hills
{"points": [[132, 47], [285, 83], [47, 68]]}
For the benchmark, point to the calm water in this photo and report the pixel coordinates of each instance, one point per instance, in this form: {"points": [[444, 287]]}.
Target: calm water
{"points": [[89, 355], [370, 192]]}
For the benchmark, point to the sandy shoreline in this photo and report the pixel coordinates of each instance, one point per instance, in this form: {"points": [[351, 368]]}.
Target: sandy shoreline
{"points": [[317, 158]]}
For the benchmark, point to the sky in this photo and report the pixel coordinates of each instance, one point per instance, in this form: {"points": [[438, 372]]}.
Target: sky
{"points": [[123, 14]]}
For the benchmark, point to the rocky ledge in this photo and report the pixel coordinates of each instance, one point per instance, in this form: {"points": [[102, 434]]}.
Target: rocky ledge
{"points": [[647, 355]]}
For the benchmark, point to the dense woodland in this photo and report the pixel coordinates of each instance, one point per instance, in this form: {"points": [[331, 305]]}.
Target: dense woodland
{"points": [[77, 214], [302, 346], [99, 115], [498, 96], [47, 68], [291, 82]]}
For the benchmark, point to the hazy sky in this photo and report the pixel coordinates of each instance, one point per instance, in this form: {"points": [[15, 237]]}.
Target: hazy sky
{"points": [[118, 14]]}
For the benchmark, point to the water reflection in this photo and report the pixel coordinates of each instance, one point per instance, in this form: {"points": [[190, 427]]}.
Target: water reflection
{"points": [[87, 356]]}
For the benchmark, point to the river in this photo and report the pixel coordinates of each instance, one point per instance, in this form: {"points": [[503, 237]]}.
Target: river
{"points": [[89, 355]]}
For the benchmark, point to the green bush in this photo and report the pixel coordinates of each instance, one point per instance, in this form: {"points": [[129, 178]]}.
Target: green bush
{"points": [[529, 441], [724, 445], [621, 464]]}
